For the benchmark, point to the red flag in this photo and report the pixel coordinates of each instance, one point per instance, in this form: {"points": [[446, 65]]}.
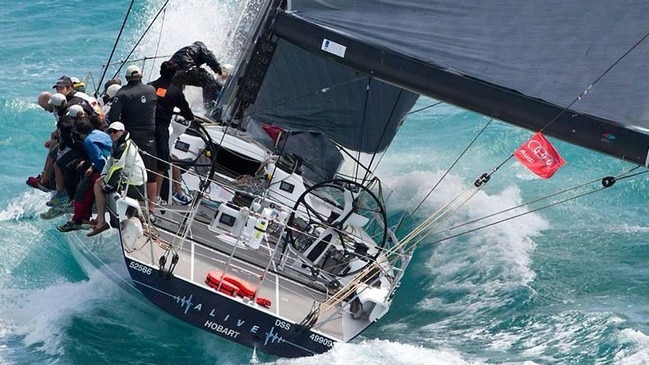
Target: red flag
{"points": [[538, 155]]}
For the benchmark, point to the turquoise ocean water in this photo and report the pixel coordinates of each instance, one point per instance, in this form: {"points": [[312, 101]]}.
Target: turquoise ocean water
{"points": [[563, 285]]}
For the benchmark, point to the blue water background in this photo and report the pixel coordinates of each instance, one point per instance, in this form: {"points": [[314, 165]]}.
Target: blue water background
{"points": [[563, 285]]}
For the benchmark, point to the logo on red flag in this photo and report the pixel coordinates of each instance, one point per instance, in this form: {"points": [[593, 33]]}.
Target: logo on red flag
{"points": [[538, 155]]}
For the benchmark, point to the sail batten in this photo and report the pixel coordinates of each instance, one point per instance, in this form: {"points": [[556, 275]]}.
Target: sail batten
{"points": [[520, 62]]}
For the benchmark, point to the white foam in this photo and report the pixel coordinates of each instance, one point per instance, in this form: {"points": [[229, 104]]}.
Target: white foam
{"points": [[210, 23], [42, 316], [19, 234], [28, 205], [637, 351], [380, 352], [509, 242]]}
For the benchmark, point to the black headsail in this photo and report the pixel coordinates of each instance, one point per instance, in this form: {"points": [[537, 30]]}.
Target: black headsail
{"points": [[287, 85], [304, 91], [519, 61]]}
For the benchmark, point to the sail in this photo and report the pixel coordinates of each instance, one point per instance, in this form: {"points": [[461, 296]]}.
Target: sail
{"points": [[307, 92], [522, 62]]}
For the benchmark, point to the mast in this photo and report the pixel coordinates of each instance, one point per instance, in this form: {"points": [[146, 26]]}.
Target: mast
{"points": [[243, 85]]}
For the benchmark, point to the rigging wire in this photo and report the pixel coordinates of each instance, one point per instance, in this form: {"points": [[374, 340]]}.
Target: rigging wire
{"points": [[164, 6], [143, 59], [510, 218], [356, 161], [112, 52], [363, 125], [157, 46], [606, 183], [521, 205], [629, 175], [444, 212], [424, 108], [368, 174], [439, 181]]}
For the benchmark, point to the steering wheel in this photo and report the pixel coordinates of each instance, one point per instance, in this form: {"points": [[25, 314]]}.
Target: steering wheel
{"points": [[335, 211]]}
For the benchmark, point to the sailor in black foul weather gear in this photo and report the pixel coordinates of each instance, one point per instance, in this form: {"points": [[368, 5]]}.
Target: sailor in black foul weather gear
{"points": [[189, 60], [135, 105], [169, 97]]}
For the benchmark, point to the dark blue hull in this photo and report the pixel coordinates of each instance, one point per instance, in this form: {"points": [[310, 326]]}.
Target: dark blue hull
{"points": [[225, 316]]}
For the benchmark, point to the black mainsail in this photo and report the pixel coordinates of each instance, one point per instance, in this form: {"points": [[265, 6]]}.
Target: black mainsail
{"points": [[522, 62]]}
